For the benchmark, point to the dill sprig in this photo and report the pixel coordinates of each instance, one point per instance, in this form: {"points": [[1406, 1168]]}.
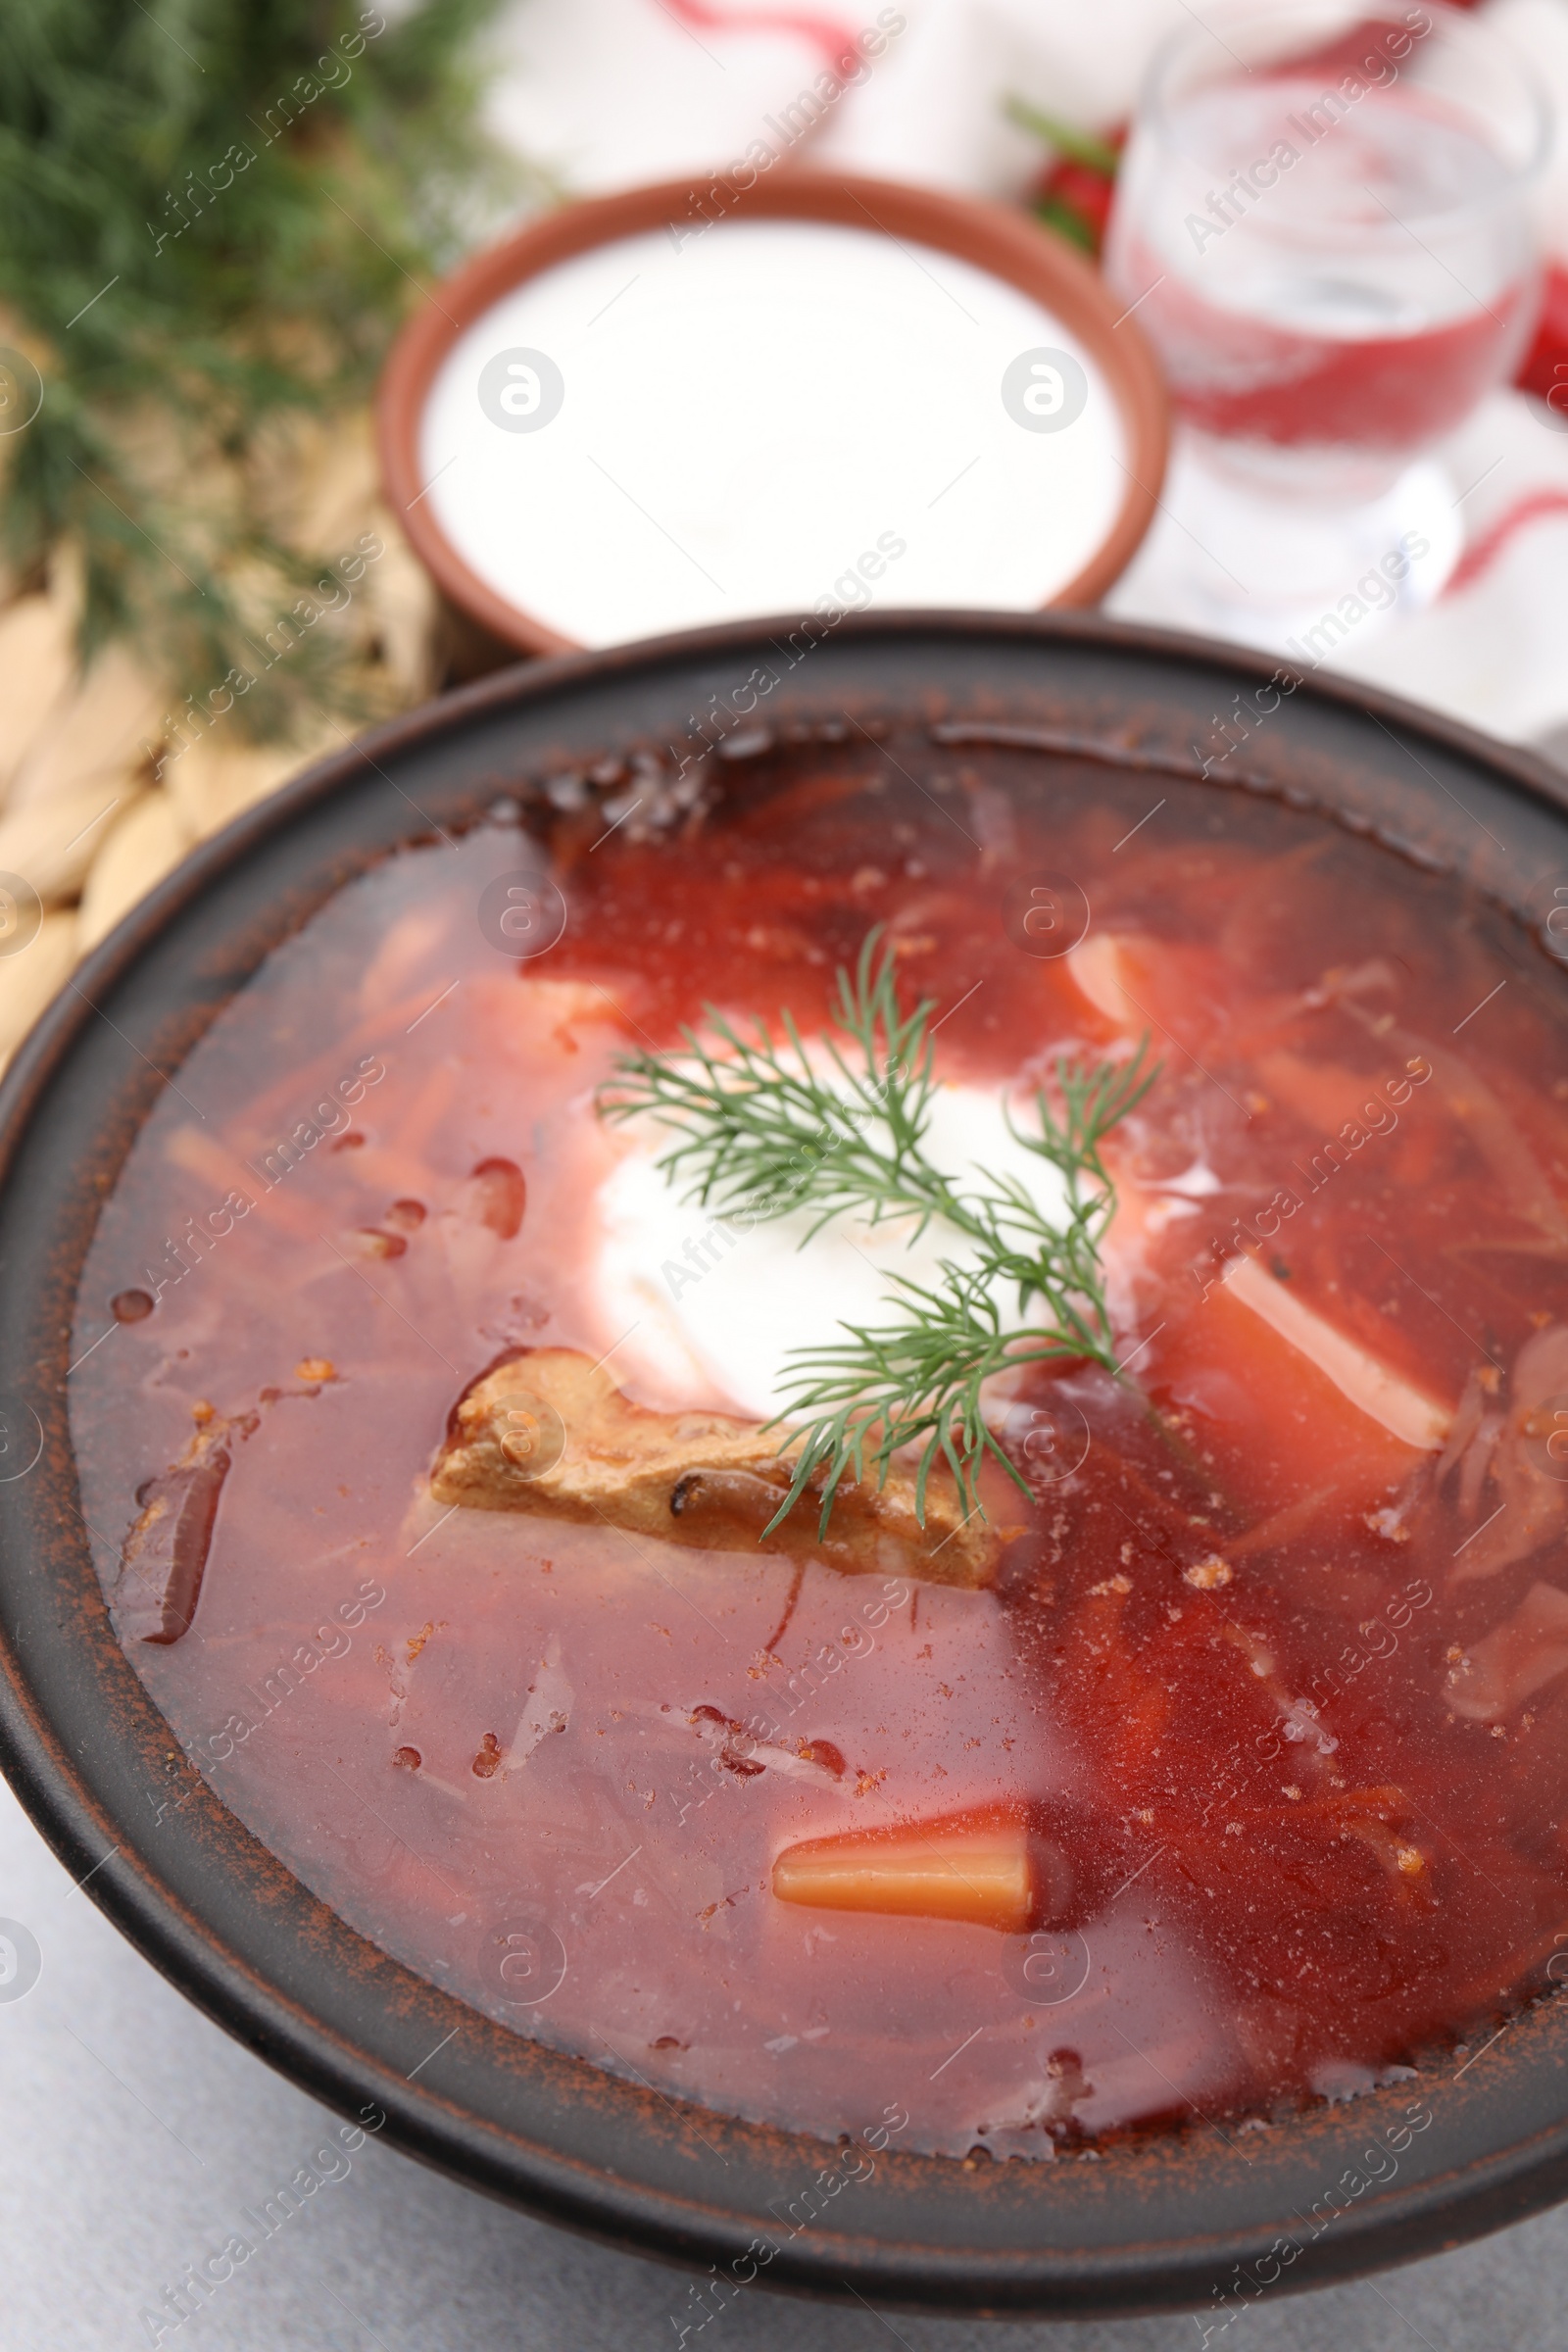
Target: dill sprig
{"points": [[769, 1126]]}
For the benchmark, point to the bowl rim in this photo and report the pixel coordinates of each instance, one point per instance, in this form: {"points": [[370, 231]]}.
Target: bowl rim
{"points": [[999, 239], [228, 1923]]}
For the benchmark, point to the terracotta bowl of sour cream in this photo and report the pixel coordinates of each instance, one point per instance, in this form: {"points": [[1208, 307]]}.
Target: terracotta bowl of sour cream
{"points": [[687, 403]]}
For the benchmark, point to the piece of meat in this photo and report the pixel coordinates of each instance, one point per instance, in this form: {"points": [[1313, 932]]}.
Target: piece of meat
{"points": [[165, 1553], [547, 1431]]}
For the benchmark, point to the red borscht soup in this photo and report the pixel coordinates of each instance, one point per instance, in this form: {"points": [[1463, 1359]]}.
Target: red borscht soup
{"points": [[1208, 1752]]}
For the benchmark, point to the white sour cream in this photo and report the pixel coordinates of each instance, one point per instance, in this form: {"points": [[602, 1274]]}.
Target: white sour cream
{"points": [[764, 417], [712, 1311]]}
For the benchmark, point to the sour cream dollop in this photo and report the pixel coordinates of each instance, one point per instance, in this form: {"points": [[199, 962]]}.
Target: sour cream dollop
{"points": [[712, 1309]]}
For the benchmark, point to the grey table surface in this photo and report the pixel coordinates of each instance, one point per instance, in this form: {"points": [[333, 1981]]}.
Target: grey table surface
{"points": [[135, 2135]]}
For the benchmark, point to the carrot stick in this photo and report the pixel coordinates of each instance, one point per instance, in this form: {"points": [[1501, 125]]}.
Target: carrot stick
{"points": [[978, 1870]]}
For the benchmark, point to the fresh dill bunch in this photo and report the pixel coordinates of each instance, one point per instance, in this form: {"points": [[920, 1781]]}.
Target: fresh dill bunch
{"points": [[216, 216], [768, 1127]]}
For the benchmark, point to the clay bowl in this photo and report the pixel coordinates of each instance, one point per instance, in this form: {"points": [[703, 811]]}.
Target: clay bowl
{"points": [[996, 239], [1156, 2222]]}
